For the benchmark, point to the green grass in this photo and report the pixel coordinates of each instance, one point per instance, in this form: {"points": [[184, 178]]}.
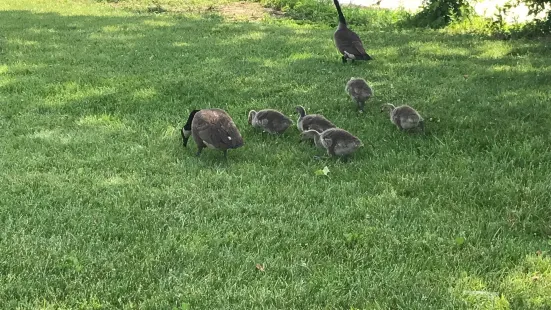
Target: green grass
{"points": [[102, 208]]}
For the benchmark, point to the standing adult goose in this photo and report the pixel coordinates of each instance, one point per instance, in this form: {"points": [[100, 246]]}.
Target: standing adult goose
{"points": [[269, 120], [212, 128], [337, 141], [404, 117], [347, 41], [315, 122]]}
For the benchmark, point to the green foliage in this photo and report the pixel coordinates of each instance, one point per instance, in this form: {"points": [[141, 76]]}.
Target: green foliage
{"points": [[499, 28], [536, 6], [536, 28], [323, 11], [440, 13]]}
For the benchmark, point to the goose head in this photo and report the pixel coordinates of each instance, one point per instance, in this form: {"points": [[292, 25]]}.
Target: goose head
{"points": [[186, 130]]}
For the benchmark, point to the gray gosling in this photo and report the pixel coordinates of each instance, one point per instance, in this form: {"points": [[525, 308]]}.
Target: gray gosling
{"points": [[315, 122], [269, 120], [337, 141], [404, 117], [359, 91], [212, 128]]}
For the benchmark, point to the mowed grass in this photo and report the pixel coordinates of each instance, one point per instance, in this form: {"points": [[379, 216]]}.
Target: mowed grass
{"points": [[102, 207]]}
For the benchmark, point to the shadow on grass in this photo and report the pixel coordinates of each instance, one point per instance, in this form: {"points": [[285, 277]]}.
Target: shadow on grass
{"points": [[148, 71]]}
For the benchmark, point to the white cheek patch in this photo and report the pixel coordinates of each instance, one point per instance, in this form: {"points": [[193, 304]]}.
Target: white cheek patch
{"points": [[187, 133], [229, 138]]}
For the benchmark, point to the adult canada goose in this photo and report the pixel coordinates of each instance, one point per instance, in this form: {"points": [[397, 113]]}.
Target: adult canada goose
{"points": [[269, 120], [337, 141], [404, 117], [315, 122], [212, 128], [359, 91], [347, 41]]}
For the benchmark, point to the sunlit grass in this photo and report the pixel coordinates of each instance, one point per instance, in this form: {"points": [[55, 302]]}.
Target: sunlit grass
{"points": [[102, 206]]}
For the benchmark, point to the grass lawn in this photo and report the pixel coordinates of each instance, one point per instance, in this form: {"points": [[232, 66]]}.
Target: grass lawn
{"points": [[102, 208]]}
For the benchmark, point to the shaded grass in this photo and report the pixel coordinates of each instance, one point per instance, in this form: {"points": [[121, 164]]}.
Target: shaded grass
{"points": [[102, 207]]}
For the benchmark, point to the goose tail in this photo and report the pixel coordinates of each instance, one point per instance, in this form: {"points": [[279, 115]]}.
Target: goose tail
{"points": [[364, 57]]}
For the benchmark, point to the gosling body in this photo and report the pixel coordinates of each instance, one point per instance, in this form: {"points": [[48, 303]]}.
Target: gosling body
{"points": [[269, 120], [359, 91], [337, 141], [404, 117], [315, 122]]}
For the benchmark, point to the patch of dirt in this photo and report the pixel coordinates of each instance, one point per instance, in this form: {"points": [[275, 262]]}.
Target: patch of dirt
{"points": [[246, 11]]}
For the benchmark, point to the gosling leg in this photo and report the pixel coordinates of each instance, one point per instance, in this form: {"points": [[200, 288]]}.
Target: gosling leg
{"points": [[361, 106]]}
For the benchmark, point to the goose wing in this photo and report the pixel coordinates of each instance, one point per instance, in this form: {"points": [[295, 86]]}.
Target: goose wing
{"points": [[219, 131], [220, 137], [347, 40]]}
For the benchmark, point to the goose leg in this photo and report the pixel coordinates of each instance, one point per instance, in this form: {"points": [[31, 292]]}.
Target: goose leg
{"points": [[343, 59], [225, 154], [199, 150]]}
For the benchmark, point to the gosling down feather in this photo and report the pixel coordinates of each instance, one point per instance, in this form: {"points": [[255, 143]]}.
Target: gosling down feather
{"points": [[315, 122], [347, 41], [269, 120], [337, 141], [404, 117], [212, 128], [359, 91]]}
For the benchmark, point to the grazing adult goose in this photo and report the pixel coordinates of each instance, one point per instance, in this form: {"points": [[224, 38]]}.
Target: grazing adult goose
{"points": [[347, 41], [404, 117], [315, 122], [212, 128], [359, 91], [269, 120], [337, 141]]}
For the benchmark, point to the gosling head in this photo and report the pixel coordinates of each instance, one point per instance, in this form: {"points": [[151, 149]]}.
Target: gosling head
{"points": [[186, 131], [252, 114], [387, 107], [300, 110]]}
